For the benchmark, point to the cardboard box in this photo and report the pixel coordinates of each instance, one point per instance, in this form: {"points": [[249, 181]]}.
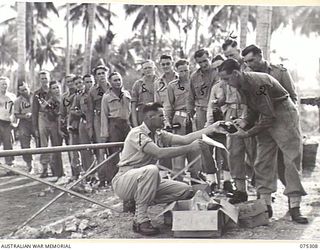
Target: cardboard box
{"points": [[253, 213], [188, 223]]}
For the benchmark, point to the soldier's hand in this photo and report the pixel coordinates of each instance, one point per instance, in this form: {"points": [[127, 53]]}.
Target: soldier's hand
{"points": [[240, 123], [240, 133], [61, 133], [217, 128], [28, 115]]}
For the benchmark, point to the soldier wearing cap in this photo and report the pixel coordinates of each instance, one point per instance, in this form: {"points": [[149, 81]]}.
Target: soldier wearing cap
{"points": [[115, 114], [6, 117], [143, 91], [274, 119], [22, 111], [96, 93], [201, 82]]}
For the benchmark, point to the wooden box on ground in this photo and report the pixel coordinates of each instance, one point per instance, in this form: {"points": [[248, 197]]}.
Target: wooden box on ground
{"points": [[187, 223], [309, 156], [253, 213]]}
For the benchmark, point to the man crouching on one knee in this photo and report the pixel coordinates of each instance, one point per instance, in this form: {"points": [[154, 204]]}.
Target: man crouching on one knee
{"points": [[138, 178]]}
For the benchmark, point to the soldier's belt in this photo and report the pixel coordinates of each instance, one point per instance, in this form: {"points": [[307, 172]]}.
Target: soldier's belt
{"points": [[82, 120], [181, 113]]}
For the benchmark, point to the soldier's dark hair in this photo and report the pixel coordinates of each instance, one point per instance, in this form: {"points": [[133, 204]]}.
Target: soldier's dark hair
{"points": [[251, 48], [87, 75], [229, 65], [113, 74], [165, 56], [53, 82], [217, 58], [200, 53], [151, 106], [44, 72], [105, 68], [229, 42], [76, 78], [181, 62]]}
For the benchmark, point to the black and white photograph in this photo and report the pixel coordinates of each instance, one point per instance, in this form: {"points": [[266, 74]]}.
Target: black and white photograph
{"points": [[164, 122]]}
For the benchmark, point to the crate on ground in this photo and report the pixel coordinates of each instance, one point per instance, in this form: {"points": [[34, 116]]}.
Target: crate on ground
{"points": [[190, 219], [310, 148], [253, 213]]}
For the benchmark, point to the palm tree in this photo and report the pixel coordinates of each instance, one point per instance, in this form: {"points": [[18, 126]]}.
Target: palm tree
{"points": [[306, 19], [88, 47], [48, 49], [8, 48], [21, 37], [244, 26], [263, 36], [150, 16]]}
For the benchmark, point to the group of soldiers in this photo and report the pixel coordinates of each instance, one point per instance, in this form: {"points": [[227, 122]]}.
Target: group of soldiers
{"points": [[239, 87]]}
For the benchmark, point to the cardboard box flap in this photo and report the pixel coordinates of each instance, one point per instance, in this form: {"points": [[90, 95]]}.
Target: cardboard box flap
{"points": [[169, 207], [231, 211], [251, 208]]}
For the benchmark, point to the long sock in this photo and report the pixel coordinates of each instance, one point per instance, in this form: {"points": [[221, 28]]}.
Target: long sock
{"points": [[267, 198], [294, 201], [226, 175]]}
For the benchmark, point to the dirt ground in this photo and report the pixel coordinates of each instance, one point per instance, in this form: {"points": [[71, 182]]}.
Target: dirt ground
{"points": [[21, 197]]}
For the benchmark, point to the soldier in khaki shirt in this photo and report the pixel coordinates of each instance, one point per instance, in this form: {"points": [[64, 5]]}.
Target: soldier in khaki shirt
{"points": [[115, 115], [274, 119], [138, 177], [201, 82], [166, 65], [143, 91], [6, 118], [22, 111], [80, 109], [254, 59], [96, 92]]}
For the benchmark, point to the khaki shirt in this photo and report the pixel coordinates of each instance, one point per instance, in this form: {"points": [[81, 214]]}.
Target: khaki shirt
{"points": [[95, 95], [200, 88], [143, 92], [262, 92], [225, 97], [177, 98], [284, 78], [113, 106], [22, 106], [133, 152], [7, 106], [40, 97], [161, 94], [80, 103]]}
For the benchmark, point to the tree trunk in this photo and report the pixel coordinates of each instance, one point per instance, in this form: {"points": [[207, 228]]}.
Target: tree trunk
{"points": [[264, 29], [68, 41], [21, 37], [186, 38], [244, 26], [152, 32], [197, 27], [88, 49]]}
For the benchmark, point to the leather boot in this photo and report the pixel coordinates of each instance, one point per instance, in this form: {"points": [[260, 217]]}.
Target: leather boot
{"points": [[270, 211], [228, 187], [297, 217], [145, 228], [238, 197]]}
